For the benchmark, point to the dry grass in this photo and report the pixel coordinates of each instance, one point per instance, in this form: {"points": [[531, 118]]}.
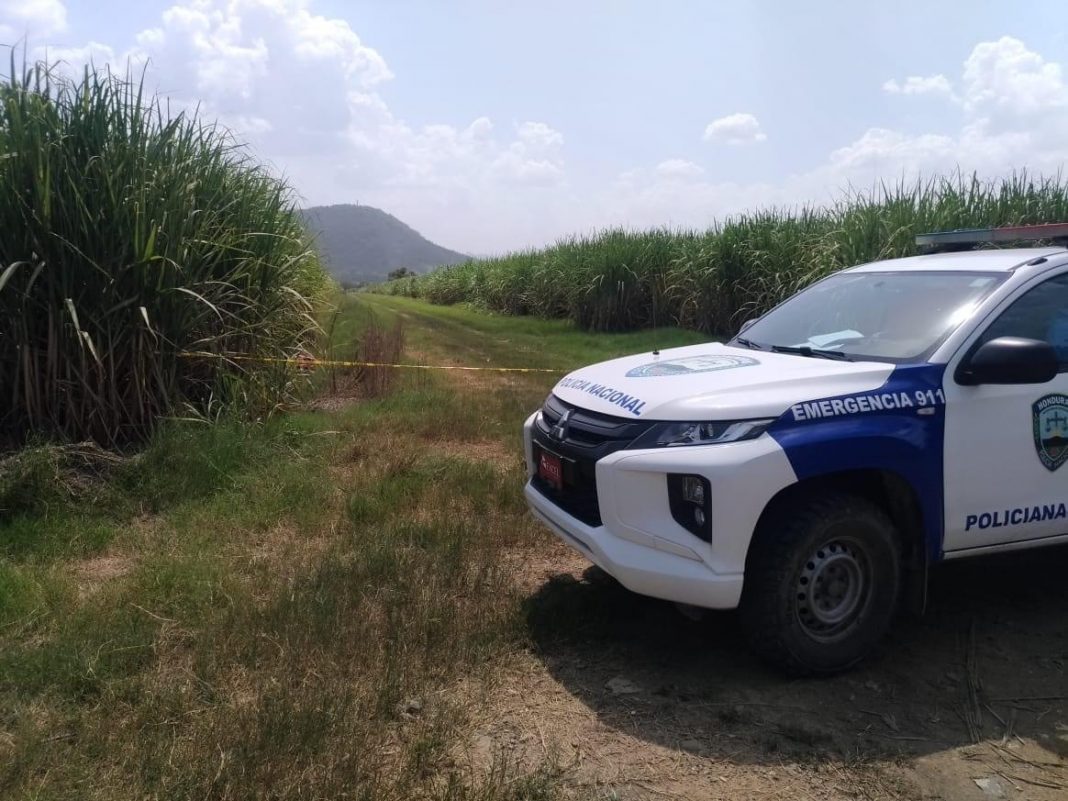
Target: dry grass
{"points": [[356, 336]]}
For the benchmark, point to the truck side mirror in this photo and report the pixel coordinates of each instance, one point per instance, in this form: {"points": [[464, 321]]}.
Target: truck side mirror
{"points": [[747, 324], [1009, 360]]}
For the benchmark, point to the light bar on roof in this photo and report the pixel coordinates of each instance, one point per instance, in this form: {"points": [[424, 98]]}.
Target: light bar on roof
{"points": [[976, 236]]}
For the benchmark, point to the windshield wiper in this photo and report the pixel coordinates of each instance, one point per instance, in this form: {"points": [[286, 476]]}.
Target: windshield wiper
{"points": [[746, 343], [813, 353]]}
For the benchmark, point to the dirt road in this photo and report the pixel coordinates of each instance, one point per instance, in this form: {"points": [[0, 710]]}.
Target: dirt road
{"points": [[629, 699], [633, 699]]}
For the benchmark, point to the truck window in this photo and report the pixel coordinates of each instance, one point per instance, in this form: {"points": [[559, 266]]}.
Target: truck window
{"points": [[1041, 313], [897, 316]]}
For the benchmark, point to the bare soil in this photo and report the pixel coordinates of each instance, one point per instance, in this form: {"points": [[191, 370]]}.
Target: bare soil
{"points": [[632, 700]]}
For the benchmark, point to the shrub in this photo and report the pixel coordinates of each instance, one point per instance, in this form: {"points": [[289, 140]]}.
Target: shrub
{"points": [[133, 235]]}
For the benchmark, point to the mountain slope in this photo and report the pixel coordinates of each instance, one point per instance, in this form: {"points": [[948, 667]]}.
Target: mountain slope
{"points": [[362, 243]]}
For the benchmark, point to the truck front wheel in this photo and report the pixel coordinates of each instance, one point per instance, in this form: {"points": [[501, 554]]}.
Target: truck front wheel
{"points": [[821, 584]]}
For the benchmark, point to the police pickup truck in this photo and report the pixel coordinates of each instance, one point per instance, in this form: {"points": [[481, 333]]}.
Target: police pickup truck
{"points": [[811, 470]]}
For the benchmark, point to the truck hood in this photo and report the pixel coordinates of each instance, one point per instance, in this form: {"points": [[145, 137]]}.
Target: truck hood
{"points": [[714, 382]]}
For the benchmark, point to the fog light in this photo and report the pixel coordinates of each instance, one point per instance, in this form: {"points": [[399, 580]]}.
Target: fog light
{"points": [[689, 498], [693, 491]]}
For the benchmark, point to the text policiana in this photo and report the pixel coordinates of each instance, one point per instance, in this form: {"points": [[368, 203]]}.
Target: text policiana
{"points": [[1016, 517]]}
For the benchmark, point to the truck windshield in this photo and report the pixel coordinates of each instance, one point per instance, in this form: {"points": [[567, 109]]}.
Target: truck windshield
{"points": [[881, 316]]}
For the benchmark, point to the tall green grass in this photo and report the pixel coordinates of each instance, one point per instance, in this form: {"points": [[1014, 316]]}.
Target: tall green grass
{"points": [[713, 280], [131, 235]]}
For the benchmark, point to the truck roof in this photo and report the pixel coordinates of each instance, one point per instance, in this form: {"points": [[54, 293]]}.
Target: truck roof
{"points": [[992, 260]]}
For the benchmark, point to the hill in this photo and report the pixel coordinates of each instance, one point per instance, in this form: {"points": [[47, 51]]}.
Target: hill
{"points": [[363, 244]]}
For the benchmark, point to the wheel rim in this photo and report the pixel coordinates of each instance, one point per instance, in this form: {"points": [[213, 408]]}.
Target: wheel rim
{"points": [[833, 589]]}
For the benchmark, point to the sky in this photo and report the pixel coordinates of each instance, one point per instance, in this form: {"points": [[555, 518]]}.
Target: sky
{"points": [[492, 126]]}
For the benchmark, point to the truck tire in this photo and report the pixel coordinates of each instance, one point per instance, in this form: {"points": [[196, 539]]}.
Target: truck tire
{"points": [[821, 584]]}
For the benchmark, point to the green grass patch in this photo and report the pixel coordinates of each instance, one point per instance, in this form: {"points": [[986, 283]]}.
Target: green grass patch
{"points": [[503, 341], [64, 534]]}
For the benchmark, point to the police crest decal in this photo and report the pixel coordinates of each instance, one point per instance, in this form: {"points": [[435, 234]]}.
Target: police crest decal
{"points": [[1050, 415], [692, 364]]}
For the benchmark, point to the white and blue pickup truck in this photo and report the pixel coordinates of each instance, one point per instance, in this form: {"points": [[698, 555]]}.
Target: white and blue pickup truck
{"points": [[811, 470]]}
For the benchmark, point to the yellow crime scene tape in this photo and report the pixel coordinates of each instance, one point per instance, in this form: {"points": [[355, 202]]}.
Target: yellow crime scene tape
{"points": [[310, 361]]}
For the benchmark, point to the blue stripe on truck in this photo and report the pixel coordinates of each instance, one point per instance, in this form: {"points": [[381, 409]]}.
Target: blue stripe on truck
{"points": [[899, 427]]}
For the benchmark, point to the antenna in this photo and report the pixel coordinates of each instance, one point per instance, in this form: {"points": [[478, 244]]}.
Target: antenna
{"points": [[656, 321]]}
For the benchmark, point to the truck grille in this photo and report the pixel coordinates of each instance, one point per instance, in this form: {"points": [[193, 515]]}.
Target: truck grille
{"points": [[589, 436]]}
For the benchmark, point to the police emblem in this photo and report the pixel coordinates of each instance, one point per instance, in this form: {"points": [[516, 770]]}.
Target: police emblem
{"points": [[691, 365], [1050, 416]]}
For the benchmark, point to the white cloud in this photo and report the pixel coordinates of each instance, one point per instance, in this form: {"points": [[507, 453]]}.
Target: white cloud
{"points": [[1004, 78], [735, 129], [73, 59], [260, 57], [31, 19], [540, 136], [1014, 107], [385, 153], [1012, 114], [882, 146], [919, 85], [534, 157], [679, 169]]}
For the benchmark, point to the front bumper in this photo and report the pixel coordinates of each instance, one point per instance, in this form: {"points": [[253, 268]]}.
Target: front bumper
{"points": [[638, 541], [644, 570]]}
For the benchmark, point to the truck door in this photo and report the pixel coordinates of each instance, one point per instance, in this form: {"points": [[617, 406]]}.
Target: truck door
{"points": [[1006, 446]]}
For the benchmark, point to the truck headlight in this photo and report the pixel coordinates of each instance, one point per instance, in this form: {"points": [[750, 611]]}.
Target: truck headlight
{"points": [[671, 435]]}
